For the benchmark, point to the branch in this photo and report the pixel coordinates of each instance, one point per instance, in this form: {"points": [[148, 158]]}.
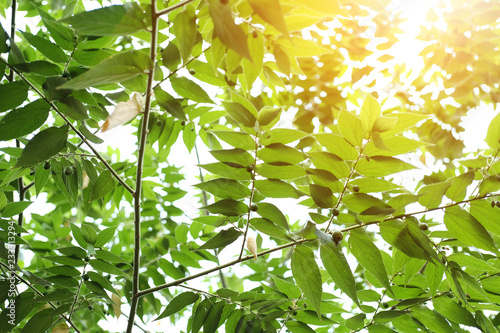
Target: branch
{"points": [[169, 9], [27, 283], [140, 165], [263, 253], [82, 137]]}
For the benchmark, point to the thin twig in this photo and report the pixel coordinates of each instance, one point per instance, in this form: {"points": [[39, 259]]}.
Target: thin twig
{"points": [[77, 292], [171, 8], [82, 137], [140, 165]]}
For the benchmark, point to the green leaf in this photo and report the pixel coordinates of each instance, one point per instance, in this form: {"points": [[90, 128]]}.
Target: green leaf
{"points": [[275, 188], [112, 20], [239, 113], [170, 104], [370, 185], [237, 139], [383, 124], [225, 188], [279, 153], [395, 233], [337, 267], [452, 311], [330, 162], [24, 120], [184, 28], [370, 112], [493, 134], [178, 303], [228, 170], [337, 145], [281, 135], [272, 213], [117, 68], [102, 186], [212, 319], [200, 314], [15, 208], [489, 185], [361, 202], [395, 145], [88, 134], [486, 215], [431, 319], [227, 207], [222, 239], [356, 322], [284, 172], [73, 108], [432, 195], [307, 275], [268, 116], [171, 57], [230, 34], [467, 229], [237, 155], [12, 94], [380, 166], [104, 236], [190, 90], [299, 327], [368, 255], [269, 228], [40, 322], [287, 288], [46, 47], [322, 196], [89, 234], [103, 266], [43, 145], [350, 127]]}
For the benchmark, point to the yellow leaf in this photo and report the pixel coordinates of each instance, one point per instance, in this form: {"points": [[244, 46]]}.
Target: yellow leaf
{"points": [[252, 246], [370, 111], [270, 11], [117, 302], [124, 112], [61, 328]]}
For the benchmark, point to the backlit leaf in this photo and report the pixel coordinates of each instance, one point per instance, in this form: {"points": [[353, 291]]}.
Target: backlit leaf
{"points": [[275, 188], [102, 186], [370, 112], [223, 238], [270, 11], [380, 166], [225, 188], [493, 134], [178, 303], [227, 207], [307, 275]]}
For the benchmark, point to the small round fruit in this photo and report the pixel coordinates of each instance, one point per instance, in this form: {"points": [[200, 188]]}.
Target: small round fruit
{"points": [[493, 203], [335, 212], [305, 305], [46, 165], [497, 203], [91, 307], [254, 207], [355, 188], [159, 122], [294, 313], [337, 236], [385, 305], [423, 226], [192, 71], [68, 171], [87, 259], [85, 277], [183, 123], [498, 177], [250, 168], [254, 34]]}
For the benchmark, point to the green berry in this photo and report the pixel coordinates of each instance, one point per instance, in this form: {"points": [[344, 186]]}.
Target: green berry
{"points": [[294, 313], [423, 226], [46, 165], [254, 207], [355, 188], [385, 305], [91, 307], [183, 123], [85, 277], [335, 212], [159, 122], [192, 71], [87, 259], [493, 203], [68, 171]]}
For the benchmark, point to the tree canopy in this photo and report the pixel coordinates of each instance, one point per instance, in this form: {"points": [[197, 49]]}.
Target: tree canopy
{"points": [[307, 107]]}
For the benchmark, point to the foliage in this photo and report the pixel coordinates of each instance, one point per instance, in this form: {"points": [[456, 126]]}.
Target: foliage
{"points": [[377, 253]]}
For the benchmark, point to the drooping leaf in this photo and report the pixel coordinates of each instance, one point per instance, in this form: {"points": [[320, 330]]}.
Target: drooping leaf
{"points": [[350, 127], [43, 145], [307, 275], [24, 120], [337, 145], [395, 233], [46, 47], [493, 134], [370, 112], [452, 311], [486, 215], [368, 255], [178, 303], [270, 11], [230, 34], [467, 229], [170, 104], [117, 68], [275, 188], [239, 113], [223, 238], [379, 166], [330, 162], [272, 213], [15, 208], [322, 196], [184, 28], [281, 135], [431, 319], [12, 94], [279, 153], [269, 228], [337, 267]]}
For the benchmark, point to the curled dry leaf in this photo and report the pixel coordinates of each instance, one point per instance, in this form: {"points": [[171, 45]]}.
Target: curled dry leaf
{"points": [[86, 180], [252, 246], [61, 328], [124, 112], [117, 300]]}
